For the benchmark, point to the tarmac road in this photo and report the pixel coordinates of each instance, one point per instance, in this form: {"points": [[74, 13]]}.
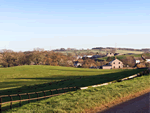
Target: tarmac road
{"points": [[138, 105]]}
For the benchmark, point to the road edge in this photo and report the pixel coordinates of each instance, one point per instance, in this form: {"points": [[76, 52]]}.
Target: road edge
{"points": [[117, 101]]}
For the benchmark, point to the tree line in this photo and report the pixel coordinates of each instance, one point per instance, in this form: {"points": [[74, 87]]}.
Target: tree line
{"points": [[9, 58]]}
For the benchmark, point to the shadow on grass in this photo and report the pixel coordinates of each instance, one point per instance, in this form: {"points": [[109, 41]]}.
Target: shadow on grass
{"points": [[86, 81]]}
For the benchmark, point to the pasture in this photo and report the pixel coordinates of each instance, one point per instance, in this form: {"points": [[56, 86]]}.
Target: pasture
{"points": [[26, 79], [22, 76], [83, 100]]}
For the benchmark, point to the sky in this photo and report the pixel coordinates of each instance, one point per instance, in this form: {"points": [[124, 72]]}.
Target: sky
{"points": [[53, 24]]}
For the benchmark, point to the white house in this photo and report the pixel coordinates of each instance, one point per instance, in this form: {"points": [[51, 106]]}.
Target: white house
{"points": [[79, 57], [137, 61], [148, 60]]}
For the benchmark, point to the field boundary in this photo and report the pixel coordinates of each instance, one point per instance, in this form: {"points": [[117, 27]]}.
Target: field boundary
{"points": [[126, 78], [29, 98]]}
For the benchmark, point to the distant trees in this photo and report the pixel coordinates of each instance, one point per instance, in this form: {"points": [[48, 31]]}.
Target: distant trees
{"points": [[89, 63], [129, 60], [110, 59], [9, 58]]}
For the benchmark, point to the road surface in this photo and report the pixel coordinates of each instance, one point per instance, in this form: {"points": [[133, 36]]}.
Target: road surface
{"points": [[138, 105]]}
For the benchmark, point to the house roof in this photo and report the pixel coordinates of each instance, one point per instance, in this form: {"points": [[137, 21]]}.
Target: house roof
{"points": [[113, 60]]}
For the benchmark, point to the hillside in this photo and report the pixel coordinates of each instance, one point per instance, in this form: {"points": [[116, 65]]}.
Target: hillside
{"points": [[83, 100], [20, 76]]}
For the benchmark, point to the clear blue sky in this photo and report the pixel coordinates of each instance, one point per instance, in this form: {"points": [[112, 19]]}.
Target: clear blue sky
{"points": [[51, 24]]}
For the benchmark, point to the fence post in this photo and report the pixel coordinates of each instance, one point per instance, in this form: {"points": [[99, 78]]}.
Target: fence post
{"points": [[69, 89], [51, 92], [64, 90], [57, 91], [44, 93], [10, 102], [20, 99], [28, 98], [75, 88], [37, 95], [0, 104]]}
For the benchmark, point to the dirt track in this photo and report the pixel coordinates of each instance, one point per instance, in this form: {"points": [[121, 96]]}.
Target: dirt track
{"points": [[137, 105]]}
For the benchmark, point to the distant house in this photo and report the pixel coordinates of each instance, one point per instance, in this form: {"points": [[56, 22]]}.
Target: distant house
{"points": [[87, 56], [96, 56], [77, 64], [138, 60], [148, 60], [109, 54], [79, 57], [114, 64]]}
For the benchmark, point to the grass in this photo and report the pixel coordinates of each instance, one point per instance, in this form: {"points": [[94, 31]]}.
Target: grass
{"points": [[78, 101], [25, 79], [22, 76]]}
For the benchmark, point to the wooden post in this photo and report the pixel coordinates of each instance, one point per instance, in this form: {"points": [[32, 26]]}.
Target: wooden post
{"points": [[69, 89], [37, 95], [0, 104], [51, 92], [64, 90], [10, 102], [20, 99], [28, 98], [57, 91], [44, 93]]}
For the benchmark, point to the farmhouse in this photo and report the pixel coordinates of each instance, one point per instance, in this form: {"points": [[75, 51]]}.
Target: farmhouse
{"points": [[138, 60], [109, 54], [114, 64]]}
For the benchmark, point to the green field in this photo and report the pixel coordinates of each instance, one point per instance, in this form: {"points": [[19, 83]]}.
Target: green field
{"points": [[103, 52], [25, 79], [78, 101], [22, 76]]}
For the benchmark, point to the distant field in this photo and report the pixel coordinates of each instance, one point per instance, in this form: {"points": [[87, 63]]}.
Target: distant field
{"points": [[126, 51], [103, 52], [121, 56]]}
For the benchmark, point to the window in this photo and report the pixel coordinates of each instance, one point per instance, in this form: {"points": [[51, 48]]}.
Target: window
{"points": [[119, 63], [114, 62], [114, 66], [119, 66]]}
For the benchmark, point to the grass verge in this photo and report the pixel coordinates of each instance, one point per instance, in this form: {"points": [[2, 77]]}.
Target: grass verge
{"points": [[78, 101]]}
